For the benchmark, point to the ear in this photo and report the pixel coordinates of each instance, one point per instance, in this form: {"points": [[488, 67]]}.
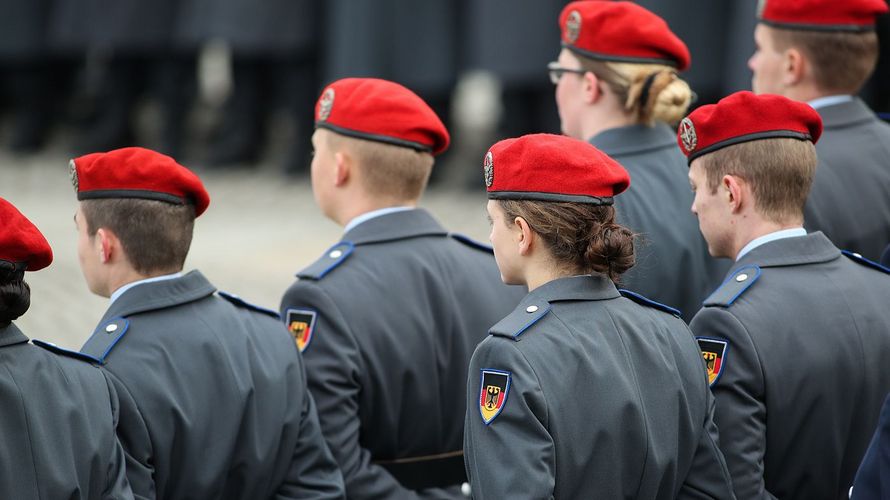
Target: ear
{"points": [[342, 168], [592, 90], [736, 191], [523, 235], [795, 67], [106, 244]]}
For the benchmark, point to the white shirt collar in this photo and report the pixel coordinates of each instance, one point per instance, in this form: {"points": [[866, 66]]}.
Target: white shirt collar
{"points": [[766, 238], [365, 217], [120, 291], [829, 100]]}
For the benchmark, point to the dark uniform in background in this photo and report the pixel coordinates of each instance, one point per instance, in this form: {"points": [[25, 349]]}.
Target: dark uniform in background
{"points": [[214, 402], [57, 414], [873, 478], [580, 392]]}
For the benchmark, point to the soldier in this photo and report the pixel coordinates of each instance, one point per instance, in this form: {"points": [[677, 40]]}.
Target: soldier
{"points": [[58, 414], [387, 319], [214, 402], [796, 338], [583, 390], [873, 478], [617, 87], [822, 52]]}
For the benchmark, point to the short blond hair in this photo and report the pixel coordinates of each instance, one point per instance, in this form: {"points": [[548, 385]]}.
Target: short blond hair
{"points": [[842, 61], [666, 99], [780, 172], [387, 171]]}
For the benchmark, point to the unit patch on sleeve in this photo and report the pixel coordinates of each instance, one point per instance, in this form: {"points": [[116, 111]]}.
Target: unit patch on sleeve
{"points": [[493, 393], [301, 324], [714, 353]]}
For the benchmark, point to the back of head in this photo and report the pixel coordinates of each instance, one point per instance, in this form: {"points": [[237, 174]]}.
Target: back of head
{"points": [[634, 52], [22, 248], [564, 189], [148, 200], [837, 38], [767, 140]]}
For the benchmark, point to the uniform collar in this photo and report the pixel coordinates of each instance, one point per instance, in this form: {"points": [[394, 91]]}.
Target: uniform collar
{"points": [[585, 287], [11, 335], [395, 226], [371, 215], [845, 113], [120, 291], [160, 295], [634, 139], [829, 100], [766, 238], [813, 248]]}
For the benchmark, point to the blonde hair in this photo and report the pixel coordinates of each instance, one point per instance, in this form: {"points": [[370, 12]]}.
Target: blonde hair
{"points": [[650, 92]]}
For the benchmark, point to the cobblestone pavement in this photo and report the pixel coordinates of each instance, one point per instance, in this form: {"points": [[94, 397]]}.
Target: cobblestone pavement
{"points": [[258, 231]]}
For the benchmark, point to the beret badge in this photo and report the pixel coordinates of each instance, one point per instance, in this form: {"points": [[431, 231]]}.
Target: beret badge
{"points": [[488, 167], [72, 174], [573, 26], [687, 135], [326, 104]]}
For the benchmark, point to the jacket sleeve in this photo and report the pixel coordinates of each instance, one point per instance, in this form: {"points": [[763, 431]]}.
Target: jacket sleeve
{"points": [[740, 398], [132, 432], [334, 371], [118, 487], [708, 475], [313, 472], [513, 455], [873, 478]]}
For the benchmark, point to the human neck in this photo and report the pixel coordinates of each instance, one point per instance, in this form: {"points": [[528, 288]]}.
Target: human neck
{"points": [[352, 208], [756, 229], [595, 123]]}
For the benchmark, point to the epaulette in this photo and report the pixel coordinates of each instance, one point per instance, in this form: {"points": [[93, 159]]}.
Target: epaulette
{"points": [[466, 240], [518, 321], [865, 262], [734, 286], [238, 301], [327, 262], [49, 346], [643, 301], [104, 338]]}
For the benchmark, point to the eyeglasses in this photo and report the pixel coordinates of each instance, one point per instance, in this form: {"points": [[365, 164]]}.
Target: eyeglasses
{"points": [[556, 71]]}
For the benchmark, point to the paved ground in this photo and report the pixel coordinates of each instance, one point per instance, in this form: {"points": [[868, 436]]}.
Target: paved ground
{"points": [[258, 231]]}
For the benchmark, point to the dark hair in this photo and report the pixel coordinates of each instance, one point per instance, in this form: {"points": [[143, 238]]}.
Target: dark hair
{"points": [[581, 235], [155, 235], [15, 294]]}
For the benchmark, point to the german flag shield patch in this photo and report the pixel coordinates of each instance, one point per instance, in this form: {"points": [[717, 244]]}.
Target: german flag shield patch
{"points": [[493, 393], [300, 324], [714, 353]]}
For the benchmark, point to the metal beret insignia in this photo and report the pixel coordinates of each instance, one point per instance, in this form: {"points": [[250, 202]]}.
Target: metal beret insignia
{"points": [[72, 174], [326, 104], [573, 26], [687, 135], [488, 166]]}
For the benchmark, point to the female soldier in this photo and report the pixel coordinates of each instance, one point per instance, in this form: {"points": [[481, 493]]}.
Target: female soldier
{"points": [[582, 391], [57, 415], [617, 87]]}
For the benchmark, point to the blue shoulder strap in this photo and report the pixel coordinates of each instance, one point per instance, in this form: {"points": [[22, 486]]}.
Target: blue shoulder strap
{"points": [[643, 301], [518, 321], [335, 256], [466, 240], [865, 262], [104, 338], [734, 286], [49, 346], [238, 301]]}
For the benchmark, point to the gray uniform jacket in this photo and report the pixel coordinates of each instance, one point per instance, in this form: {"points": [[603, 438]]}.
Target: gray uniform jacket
{"points": [[873, 478], [582, 393], [673, 265], [214, 403], [797, 344], [850, 197], [58, 417], [394, 311]]}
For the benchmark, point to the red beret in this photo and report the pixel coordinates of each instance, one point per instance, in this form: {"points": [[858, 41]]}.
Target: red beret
{"points": [[822, 15], [622, 32], [547, 167], [745, 116], [383, 111], [137, 173], [20, 241]]}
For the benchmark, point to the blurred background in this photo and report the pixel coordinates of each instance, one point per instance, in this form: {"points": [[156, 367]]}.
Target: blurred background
{"points": [[228, 87]]}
